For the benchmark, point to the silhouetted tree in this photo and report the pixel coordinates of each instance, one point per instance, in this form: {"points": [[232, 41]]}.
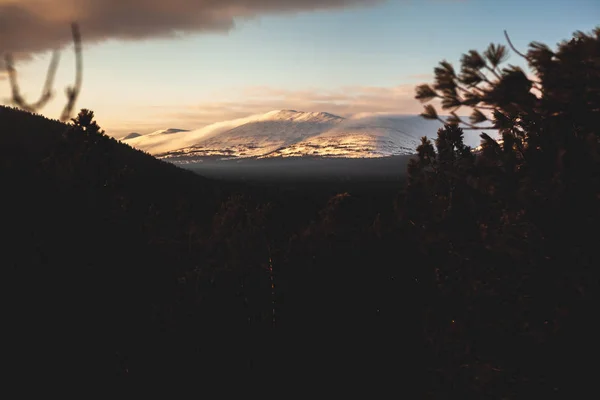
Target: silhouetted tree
{"points": [[85, 120], [516, 219]]}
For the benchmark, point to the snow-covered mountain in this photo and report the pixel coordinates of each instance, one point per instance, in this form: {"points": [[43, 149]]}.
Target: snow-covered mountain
{"points": [[289, 133], [131, 135]]}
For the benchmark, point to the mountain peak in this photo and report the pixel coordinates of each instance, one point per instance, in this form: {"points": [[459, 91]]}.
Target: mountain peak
{"points": [[173, 130], [132, 135], [288, 133], [168, 131], [301, 116]]}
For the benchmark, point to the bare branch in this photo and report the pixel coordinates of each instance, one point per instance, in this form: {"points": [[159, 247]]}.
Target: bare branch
{"points": [[513, 47], [17, 98], [73, 91], [47, 95]]}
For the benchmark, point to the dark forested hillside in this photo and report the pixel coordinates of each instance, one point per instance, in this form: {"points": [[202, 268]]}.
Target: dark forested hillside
{"points": [[86, 190], [166, 272], [95, 233]]}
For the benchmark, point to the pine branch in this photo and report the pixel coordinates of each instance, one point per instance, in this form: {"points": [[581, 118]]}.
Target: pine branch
{"points": [[493, 72], [484, 78], [495, 55], [468, 128], [468, 125], [477, 117], [430, 112], [466, 90], [481, 93], [425, 93]]}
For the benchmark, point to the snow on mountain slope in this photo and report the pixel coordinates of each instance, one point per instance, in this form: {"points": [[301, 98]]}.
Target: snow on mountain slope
{"points": [[288, 133], [365, 135], [265, 134], [412, 125], [361, 142], [156, 142], [132, 135], [169, 131]]}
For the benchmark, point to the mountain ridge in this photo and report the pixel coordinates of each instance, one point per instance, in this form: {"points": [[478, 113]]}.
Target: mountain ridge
{"points": [[291, 133]]}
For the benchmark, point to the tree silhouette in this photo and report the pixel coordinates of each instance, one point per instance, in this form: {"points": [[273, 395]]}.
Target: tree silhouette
{"points": [[516, 219], [85, 121]]}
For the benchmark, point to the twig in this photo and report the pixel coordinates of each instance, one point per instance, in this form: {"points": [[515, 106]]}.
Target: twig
{"points": [[513, 47], [485, 78], [46, 95], [73, 91], [493, 71]]}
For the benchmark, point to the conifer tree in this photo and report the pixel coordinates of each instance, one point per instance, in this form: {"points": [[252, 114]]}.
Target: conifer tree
{"points": [[517, 218]]}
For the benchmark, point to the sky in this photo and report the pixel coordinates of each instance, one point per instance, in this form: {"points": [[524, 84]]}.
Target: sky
{"points": [[154, 64]]}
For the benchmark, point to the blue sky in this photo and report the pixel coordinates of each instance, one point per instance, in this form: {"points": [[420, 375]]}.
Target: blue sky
{"points": [[343, 60]]}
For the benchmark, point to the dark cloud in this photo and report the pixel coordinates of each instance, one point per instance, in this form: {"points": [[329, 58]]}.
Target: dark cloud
{"points": [[28, 26]]}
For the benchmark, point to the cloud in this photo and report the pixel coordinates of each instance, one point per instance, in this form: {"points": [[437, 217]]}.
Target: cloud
{"points": [[345, 102], [29, 26]]}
